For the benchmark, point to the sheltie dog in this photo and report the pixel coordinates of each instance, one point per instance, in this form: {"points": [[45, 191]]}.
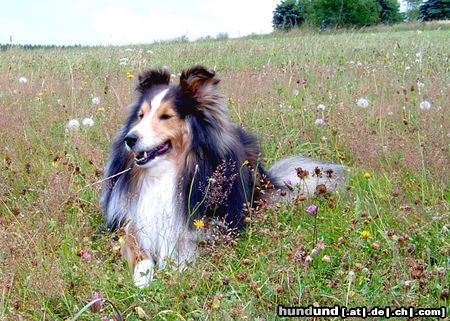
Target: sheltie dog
{"points": [[180, 160]]}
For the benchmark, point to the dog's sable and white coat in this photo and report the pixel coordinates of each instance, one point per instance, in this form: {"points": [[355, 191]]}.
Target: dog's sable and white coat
{"points": [[188, 161]]}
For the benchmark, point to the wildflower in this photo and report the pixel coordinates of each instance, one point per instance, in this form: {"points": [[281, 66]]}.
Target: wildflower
{"points": [[311, 209], [349, 169], [445, 229], [326, 259], [23, 80], [296, 92], [321, 107], [425, 105], [88, 122], [366, 271], [150, 52], [123, 61], [351, 275], [100, 109], [73, 123], [319, 122], [365, 234], [98, 305], [362, 102], [85, 255], [320, 245], [314, 252], [199, 224], [323, 139], [407, 68], [308, 260], [129, 75], [367, 175], [95, 101], [376, 245]]}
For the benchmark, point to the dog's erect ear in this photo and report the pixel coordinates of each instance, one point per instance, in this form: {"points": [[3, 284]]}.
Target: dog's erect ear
{"points": [[198, 82], [151, 78]]}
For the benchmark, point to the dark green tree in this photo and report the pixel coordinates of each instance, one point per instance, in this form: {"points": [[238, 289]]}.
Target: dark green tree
{"points": [[435, 10], [390, 11], [288, 14], [344, 13]]}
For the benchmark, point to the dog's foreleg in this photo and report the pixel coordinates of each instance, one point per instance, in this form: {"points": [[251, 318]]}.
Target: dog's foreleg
{"points": [[140, 264]]}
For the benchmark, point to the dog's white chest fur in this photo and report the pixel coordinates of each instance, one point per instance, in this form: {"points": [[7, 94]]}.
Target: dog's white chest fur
{"points": [[161, 231]]}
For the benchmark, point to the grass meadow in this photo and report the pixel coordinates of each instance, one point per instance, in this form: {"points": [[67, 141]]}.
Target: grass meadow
{"points": [[383, 240]]}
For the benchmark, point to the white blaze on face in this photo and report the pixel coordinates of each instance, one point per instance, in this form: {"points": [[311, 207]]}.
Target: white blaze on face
{"points": [[144, 130]]}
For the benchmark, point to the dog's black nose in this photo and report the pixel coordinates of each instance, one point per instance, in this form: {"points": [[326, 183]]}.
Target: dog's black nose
{"points": [[131, 140]]}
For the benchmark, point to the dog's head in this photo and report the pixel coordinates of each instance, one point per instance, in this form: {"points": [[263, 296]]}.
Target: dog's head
{"points": [[160, 121]]}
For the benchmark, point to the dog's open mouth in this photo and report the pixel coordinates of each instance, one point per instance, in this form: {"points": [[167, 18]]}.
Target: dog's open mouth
{"points": [[144, 157]]}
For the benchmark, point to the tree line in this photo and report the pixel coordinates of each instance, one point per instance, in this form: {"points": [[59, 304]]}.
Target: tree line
{"points": [[349, 13]]}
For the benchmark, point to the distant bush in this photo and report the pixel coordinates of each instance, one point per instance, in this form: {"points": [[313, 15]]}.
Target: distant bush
{"points": [[331, 13]]}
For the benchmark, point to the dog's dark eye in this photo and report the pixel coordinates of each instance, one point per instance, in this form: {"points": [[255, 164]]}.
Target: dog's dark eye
{"points": [[141, 115], [164, 117]]}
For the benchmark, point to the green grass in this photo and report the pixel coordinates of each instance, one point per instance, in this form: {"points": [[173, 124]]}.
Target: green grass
{"points": [[49, 212]]}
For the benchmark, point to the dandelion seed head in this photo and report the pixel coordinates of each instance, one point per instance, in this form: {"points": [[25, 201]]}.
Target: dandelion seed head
{"points": [[73, 123], [321, 107], [96, 101], [88, 122], [319, 122], [425, 105], [351, 275], [362, 102]]}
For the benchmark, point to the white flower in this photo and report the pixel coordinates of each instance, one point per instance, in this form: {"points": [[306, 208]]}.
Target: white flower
{"points": [[308, 259], [419, 32], [351, 275], [123, 61], [296, 92], [95, 101], [60, 102], [73, 123], [319, 122], [88, 122], [407, 68], [129, 49], [321, 107], [362, 102], [23, 80], [149, 51], [323, 139], [425, 105]]}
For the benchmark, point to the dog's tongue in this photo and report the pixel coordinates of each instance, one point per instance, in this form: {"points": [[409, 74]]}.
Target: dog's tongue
{"points": [[153, 153]]}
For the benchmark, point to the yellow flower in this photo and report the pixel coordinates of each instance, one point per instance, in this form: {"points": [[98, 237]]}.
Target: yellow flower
{"points": [[100, 109], [365, 234], [129, 75], [199, 223], [349, 169], [40, 94], [367, 175]]}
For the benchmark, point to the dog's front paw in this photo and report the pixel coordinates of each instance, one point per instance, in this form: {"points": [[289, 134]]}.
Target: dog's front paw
{"points": [[143, 273]]}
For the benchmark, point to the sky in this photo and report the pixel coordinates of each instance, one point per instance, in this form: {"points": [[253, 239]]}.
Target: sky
{"points": [[122, 22]]}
